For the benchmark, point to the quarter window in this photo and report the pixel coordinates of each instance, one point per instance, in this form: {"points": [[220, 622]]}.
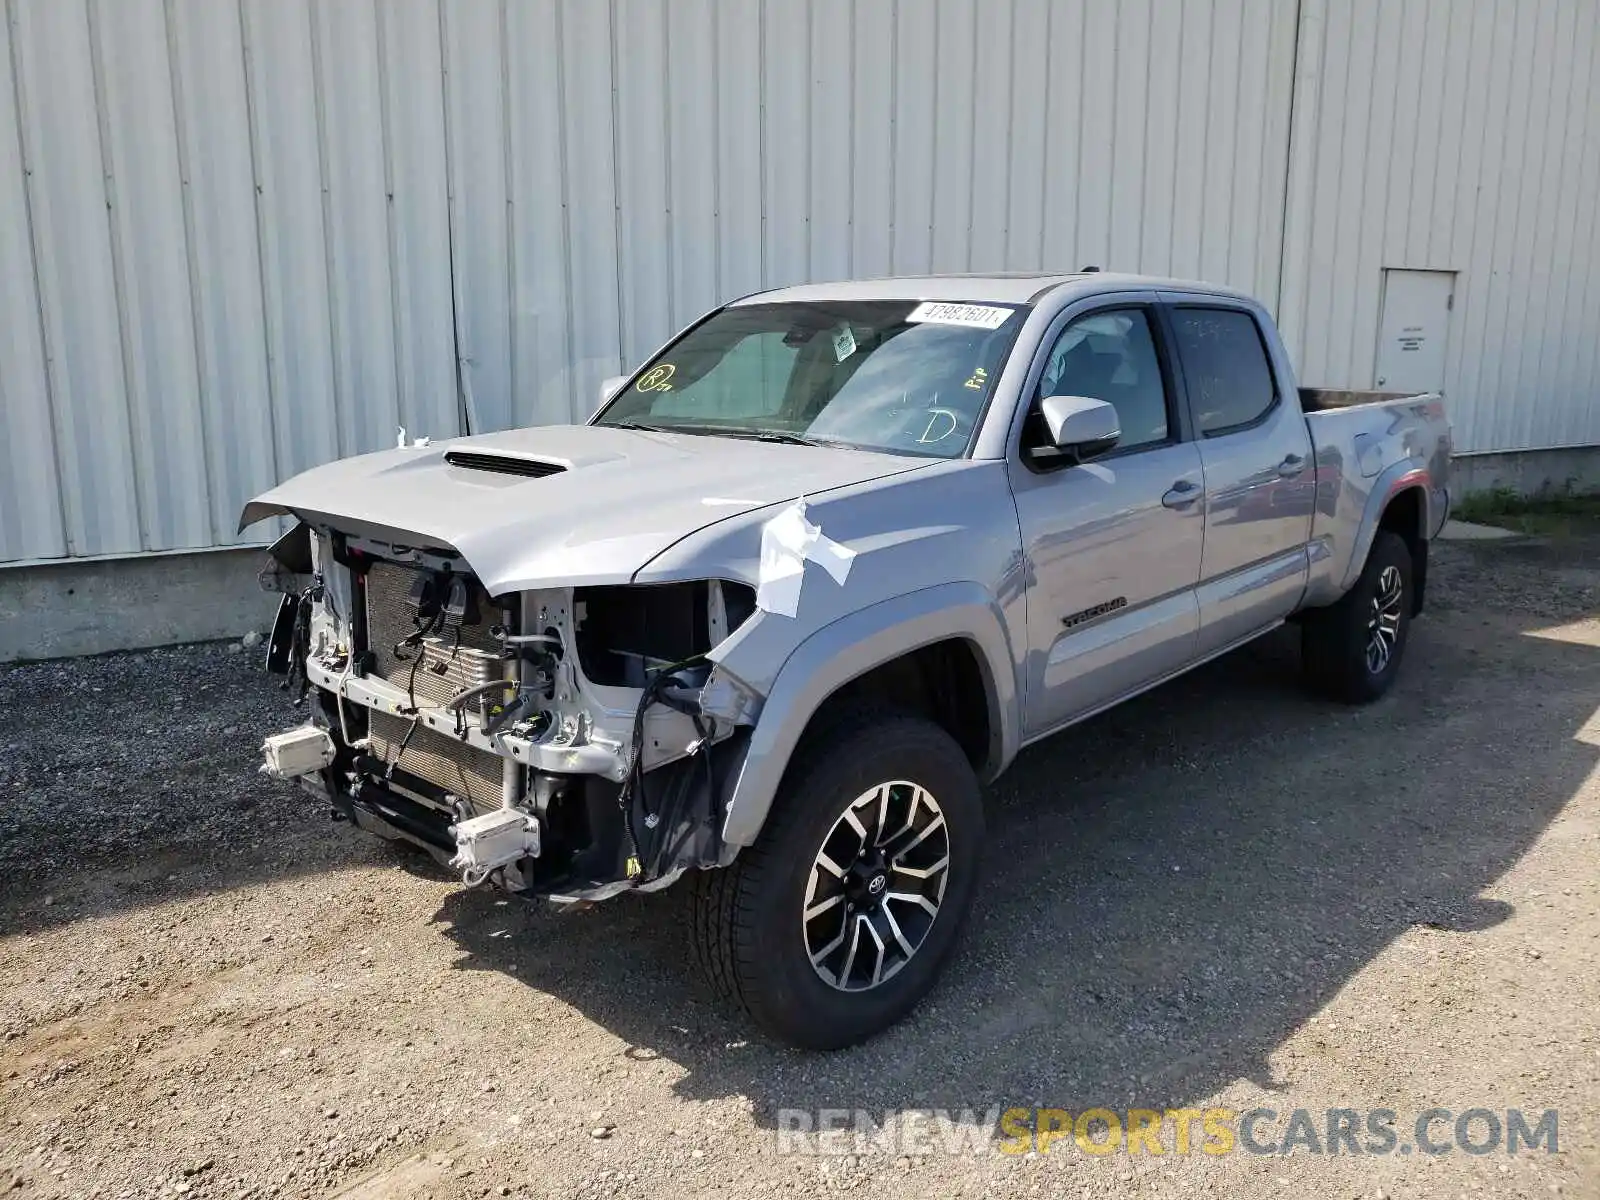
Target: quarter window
{"points": [[1224, 366]]}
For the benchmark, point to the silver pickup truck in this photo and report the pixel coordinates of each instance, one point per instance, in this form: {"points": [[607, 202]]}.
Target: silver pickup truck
{"points": [[811, 575]]}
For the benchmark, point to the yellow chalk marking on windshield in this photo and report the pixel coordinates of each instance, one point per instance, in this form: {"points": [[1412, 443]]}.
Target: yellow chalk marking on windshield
{"points": [[656, 378]]}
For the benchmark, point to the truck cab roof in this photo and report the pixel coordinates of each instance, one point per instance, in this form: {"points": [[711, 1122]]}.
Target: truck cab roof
{"points": [[1023, 287]]}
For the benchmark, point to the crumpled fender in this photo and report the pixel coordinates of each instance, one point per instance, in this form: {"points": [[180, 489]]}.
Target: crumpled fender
{"points": [[848, 648]]}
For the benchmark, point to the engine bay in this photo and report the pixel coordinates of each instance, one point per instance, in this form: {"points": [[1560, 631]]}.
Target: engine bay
{"points": [[551, 742]]}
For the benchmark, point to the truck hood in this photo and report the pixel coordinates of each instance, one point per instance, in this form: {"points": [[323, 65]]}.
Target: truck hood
{"points": [[562, 504]]}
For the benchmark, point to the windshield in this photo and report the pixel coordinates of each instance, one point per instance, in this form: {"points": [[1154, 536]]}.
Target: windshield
{"points": [[902, 376]]}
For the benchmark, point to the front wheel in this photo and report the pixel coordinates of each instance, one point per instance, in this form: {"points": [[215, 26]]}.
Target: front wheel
{"points": [[835, 923], [1352, 649]]}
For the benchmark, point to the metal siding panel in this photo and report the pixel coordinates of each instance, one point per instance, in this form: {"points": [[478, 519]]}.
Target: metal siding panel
{"points": [[1403, 33], [290, 229], [1344, 269], [872, 135], [785, 54], [1581, 313], [1539, 420], [1272, 188], [1427, 35], [1366, 250], [245, 233], [990, 174], [30, 491], [356, 202], [150, 250], [589, 56], [644, 168], [476, 117], [546, 391], [1511, 178], [692, 150], [1453, 137], [1218, 187], [1193, 86], [1165, 66], [1032, 122], [1128, 131], [1246, 224], [1474, 227], [1451, 29], [829, 145], [916, 47], [224, 259], [76, 276], [411, 70], [1301, 187], [1097, 119], [952, 147], [739, 76]]}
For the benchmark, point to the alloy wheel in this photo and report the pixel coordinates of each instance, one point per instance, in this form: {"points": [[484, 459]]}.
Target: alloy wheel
{"points": [[876, 886], [1383, 624]]}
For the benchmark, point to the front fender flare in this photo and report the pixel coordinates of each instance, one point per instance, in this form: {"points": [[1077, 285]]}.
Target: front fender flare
{"points": [[847, 649]]}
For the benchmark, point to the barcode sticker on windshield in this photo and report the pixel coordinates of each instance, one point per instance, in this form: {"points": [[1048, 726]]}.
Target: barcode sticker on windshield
{"points": [[978, 316]]}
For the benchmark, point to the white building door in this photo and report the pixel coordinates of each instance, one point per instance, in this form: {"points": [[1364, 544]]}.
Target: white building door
{"points": [[1415, 330]]}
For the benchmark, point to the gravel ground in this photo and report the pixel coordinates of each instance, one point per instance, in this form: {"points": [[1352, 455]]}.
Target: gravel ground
{"points": [[1222, 894]]}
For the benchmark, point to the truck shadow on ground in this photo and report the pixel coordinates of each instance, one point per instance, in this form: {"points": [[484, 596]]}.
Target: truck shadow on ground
{"points": [[1169, 890]]}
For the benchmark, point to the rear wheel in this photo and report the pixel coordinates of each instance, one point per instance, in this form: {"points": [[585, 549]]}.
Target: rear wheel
{"points": [[836, 921], [1352, 649]]}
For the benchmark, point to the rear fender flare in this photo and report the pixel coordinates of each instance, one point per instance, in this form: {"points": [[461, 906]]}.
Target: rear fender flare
{"points": [[1401, 476]]}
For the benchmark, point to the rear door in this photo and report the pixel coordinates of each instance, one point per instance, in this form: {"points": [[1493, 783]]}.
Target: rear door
{"points": [[1112, 545], [1255, 451]]}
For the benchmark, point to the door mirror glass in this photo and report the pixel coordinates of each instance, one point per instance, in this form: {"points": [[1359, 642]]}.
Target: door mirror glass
{"points": [[1080, 426]]}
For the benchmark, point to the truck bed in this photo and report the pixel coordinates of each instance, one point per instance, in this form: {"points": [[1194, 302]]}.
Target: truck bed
{"points": [[1325, 399]]}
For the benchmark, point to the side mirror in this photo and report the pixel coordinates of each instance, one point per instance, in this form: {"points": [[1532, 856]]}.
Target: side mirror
{"points": [[1080, 426], [610, 387]]}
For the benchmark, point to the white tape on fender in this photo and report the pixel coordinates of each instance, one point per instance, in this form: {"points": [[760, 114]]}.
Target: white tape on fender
{"points": [[787, 541]]}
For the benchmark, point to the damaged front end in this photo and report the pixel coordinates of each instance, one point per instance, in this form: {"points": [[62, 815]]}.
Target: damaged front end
{"points": [[564, 742]]}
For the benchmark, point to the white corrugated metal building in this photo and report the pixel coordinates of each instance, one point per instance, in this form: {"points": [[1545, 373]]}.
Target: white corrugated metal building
{"points": [[241, 237]]}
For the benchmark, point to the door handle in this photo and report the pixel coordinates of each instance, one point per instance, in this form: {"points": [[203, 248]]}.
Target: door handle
{"points": [[1292, 465], [1181, 494]]}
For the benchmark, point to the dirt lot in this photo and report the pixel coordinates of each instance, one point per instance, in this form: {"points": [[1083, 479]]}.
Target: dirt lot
{"points": [[1223, 894]]}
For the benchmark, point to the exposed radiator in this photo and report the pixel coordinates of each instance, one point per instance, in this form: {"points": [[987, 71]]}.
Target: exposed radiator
{"points": [[457, 657], [444, 762]]}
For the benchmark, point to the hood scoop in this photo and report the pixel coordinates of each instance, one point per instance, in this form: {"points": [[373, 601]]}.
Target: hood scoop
{"points": [[502, 464]]}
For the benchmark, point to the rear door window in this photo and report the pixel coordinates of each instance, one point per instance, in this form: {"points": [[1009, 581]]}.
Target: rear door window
{"points": [[1225, 368]]}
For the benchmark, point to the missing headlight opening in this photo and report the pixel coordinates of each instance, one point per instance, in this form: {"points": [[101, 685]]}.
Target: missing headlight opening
{"points": [[551, 742]]}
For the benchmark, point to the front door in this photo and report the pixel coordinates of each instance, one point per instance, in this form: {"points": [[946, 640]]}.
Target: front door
{"points": [[1113, 545]]}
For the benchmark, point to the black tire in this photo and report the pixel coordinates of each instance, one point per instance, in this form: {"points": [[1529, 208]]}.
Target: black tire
{"points": [[749, 935], [1336, 642]]}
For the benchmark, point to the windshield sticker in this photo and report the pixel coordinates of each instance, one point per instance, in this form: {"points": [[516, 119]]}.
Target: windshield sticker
{"points": [[975, 316], [844, 344], [979, 379], [656, 379]]}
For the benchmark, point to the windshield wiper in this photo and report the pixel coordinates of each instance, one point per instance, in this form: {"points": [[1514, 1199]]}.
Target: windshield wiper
{"points": [[736, 431], [782, 436], [792, 439], [639, 425]]}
